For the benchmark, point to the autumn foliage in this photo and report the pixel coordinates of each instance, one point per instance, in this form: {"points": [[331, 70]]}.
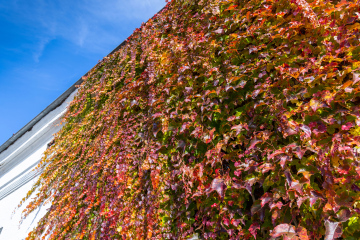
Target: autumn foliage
{"points": [[228, 119]]}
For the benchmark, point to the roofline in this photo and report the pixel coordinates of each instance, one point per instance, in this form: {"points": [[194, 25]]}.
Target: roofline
{"points": [[35, 120], [56, 103]]}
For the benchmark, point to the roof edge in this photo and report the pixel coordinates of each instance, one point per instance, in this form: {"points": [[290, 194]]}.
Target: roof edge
{"points": [[55, 104]]}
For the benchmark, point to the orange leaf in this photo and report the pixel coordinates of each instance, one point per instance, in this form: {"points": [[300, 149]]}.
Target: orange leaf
{"points": [[231, 8], [347, 84], [248, 16]]}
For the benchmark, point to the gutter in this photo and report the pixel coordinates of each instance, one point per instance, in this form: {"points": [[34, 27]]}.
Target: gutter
{"points": [[32, 123]]}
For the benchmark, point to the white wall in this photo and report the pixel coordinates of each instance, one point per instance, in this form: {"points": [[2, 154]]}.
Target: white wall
{"points": [[16, 175]]}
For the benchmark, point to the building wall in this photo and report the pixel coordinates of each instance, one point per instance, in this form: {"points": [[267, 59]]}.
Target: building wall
{"points": [[17, 173]]}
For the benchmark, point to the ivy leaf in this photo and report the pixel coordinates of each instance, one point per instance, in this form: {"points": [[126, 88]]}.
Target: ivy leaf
{"points": [[283, 160], [254, 228], [283, 229], [356, 77], [256, 207], [343, 215], [317, 194], [333, 230], [289, 131], [235, 222], [267, 197], [238, 128], [302, 233], [156, 128], [300, 201], [306, 130], [181, 145], [219, 31], [299, 152], [232, 7], [317, 104], [226, 221], [288, 177], [355, 188], [219, 186], [347, 126], [254, 142], [220, 81]]}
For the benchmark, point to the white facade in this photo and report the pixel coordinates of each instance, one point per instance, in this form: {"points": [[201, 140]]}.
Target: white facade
{"points": [[17, 162]]}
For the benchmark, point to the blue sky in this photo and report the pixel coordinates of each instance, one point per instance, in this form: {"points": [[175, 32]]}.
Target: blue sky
{"points": [[47, 45]]}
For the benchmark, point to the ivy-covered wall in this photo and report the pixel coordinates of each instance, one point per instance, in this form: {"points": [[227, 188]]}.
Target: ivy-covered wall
{"points": [[228, 118]]}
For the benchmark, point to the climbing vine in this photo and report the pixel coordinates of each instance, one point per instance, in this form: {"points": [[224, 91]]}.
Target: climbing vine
{"points": [[228, 119]]}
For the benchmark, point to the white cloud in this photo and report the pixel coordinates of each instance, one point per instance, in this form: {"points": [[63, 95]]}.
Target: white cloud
{"points": [[93, 25], [40, 48]]}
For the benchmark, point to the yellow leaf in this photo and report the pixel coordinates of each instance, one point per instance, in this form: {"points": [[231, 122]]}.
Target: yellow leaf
{"points": [[356, 64], [295, 75], [354, 26], [335, 161], [327, 207], [305, 173]]}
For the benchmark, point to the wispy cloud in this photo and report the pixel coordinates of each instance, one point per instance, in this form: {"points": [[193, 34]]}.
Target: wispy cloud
{"points": [[40, 48], [90, 24], [46, 45]]}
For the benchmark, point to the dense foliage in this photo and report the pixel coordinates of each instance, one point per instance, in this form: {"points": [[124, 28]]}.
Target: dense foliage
{"points": [[230, 119]]}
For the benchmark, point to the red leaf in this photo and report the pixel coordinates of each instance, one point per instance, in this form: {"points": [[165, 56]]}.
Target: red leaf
{"points": [[277, 152], [347, 126], [288, 177], [253, 143], [289, 131], [238, 128], [300, 200], [355, 188], [253, 229], [283, 160], [235, 222], [219, 31], [299, 152], [237, 173], [184, 126], [267, 197], [321, 128], [226, 222]]}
